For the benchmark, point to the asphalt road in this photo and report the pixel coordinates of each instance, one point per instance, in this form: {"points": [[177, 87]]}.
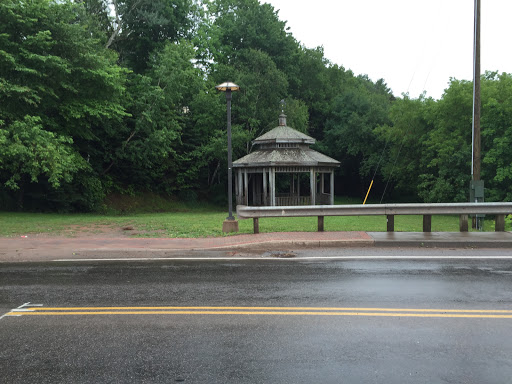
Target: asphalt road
{"points": [[257, 321]]}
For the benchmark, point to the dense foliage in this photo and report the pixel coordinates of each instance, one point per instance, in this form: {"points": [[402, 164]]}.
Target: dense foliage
{"points": [[103, 96]]}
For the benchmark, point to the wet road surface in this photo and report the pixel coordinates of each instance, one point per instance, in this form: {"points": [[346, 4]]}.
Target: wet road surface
{"points": [[254, 321]]}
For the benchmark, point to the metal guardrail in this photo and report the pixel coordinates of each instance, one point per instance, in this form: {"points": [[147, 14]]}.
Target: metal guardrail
{"points": [[390, 210]]}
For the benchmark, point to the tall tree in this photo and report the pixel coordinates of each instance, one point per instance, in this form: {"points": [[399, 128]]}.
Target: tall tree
{"points": [[351, 133], [447, 162], [57, 86], [497, 135], [403, 154], [240, 25], [142, 27]]}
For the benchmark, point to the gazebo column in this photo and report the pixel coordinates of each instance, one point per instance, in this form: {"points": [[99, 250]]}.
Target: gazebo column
{"points": [[298, 186], [254, 200], [272, 187], [265, 202], [246, 187], [331, 198], [312, 185], [239, 184], [236, 187]]}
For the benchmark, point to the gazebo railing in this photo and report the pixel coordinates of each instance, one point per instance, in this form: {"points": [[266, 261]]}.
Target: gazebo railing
{"points": [[294, 200], [323, 199], [285, 199]]}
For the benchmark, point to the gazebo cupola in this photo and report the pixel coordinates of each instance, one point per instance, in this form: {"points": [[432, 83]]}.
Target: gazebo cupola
{"points": [[259, 178]]}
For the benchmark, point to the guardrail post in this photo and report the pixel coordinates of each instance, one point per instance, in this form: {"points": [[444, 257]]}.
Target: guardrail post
{"points": [[320, 223], [500, 223], [256, 224], [427, 223], [463, 223], [390, 223]]}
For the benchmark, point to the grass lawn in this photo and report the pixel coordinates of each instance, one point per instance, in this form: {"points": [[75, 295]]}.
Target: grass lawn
{"points": [[203, 223]]}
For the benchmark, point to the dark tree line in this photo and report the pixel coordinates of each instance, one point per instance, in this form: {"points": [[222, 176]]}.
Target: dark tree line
{"points": [[102, 96]]}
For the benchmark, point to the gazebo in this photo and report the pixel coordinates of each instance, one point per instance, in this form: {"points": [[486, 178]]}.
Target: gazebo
{"points": [[284, 150]]}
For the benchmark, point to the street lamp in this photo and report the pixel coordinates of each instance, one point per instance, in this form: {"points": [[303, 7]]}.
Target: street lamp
{"points": [[230, 224]]}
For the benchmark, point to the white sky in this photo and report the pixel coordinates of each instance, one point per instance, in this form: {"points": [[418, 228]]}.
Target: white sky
{"points": [[414, 45]]}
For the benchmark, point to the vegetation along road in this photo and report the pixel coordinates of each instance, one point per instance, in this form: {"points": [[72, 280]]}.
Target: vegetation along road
{"points": [[96, 103]]}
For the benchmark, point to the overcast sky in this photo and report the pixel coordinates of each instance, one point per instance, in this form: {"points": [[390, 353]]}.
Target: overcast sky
{"points": [[414, 45]]}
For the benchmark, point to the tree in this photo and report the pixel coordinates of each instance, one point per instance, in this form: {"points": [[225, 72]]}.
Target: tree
{"points": [[57, 84], [351, 133], [240, 25], [262, 87], [403, 152], [497, 135], [147, 145], [142, 27], [30, 153], [446, 162]]}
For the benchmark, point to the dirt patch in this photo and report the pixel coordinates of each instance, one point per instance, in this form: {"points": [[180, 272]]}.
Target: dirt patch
{"points": [[93, 230]]}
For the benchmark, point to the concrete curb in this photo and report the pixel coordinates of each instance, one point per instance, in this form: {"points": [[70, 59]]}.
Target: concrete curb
{"points": [[443, 239], [443, 244], [48, 249]]}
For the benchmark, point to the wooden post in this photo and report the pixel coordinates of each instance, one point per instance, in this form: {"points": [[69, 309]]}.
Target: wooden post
{"points": [[254, 202], [390, 223], [273, 186], [246, 187], [312, 186], [240, 187], [476, 140], [256, 224], [332, 188], [236, 188], [476, 95], [265, 201], [427, 223], [320, 223], [500, 223], [463, 223]]}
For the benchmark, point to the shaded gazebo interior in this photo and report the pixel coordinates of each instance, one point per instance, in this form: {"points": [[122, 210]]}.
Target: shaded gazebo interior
{"points": [[283, 170]]}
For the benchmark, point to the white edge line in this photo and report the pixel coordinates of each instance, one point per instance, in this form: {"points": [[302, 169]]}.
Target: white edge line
{"points": [[296, 258], [19, 309]]}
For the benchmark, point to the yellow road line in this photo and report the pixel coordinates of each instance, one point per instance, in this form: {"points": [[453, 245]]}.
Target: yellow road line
{"points": [[280, 313], [45, 309]]}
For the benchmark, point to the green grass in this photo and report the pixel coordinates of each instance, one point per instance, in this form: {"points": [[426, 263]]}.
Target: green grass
{"points": [[204, 223], [179, 219]]}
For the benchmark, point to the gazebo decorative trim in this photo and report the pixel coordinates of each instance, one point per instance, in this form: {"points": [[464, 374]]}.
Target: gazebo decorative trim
{"points": [[283, 150]]}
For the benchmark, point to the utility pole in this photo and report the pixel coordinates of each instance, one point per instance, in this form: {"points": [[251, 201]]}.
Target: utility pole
{"points": [[475, 172], [477, 186]]}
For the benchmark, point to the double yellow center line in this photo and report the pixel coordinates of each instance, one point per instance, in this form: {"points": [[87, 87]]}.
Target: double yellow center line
{"points": [[274, 311]]}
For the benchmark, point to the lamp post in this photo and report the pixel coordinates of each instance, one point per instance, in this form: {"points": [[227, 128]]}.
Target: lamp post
{"points": [[230, 224]]}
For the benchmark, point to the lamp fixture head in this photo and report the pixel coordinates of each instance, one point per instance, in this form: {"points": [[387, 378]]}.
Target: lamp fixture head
{"points": [[227, 86]]}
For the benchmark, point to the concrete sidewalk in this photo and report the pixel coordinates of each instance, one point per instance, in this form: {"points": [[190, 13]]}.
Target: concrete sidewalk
{"points": [[55, 248]]}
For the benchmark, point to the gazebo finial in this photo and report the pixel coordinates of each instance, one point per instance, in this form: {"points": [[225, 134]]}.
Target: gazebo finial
{"points": [[282, 116]]}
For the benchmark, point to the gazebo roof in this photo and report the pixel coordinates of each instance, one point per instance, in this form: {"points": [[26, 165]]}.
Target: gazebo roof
{"points": [[294, 157], [284, 134], [284, 146]]}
